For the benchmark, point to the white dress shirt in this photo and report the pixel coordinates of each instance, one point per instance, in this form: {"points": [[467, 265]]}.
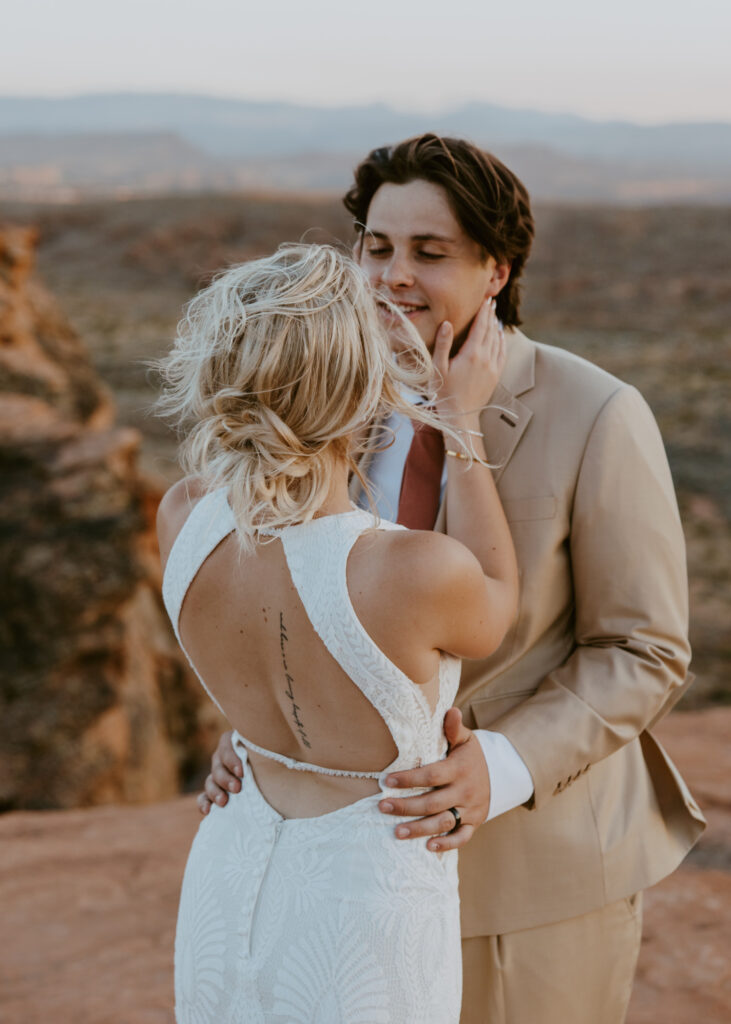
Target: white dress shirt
{"points": [[510, 781]]}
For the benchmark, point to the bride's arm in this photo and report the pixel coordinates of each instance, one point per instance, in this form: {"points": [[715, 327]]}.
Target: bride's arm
{"points": [[475, 517], [475, 514]]}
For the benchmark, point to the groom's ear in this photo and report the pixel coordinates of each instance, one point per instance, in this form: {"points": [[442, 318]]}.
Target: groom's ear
{"points": [[358, 248], [498, 279]]}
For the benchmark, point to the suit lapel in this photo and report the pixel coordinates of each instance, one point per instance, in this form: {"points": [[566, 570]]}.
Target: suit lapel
{"points": [[504, 420], [503, 423]]}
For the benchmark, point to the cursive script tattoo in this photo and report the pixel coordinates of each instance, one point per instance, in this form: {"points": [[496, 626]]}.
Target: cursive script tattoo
{"points": [[289, 691]]}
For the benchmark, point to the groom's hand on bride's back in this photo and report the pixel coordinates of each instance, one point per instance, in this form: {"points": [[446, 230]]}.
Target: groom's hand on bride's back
{"points": [[460, 781], [224, 777]]}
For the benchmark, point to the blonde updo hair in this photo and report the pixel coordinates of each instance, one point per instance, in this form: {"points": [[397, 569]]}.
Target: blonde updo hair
{"points": [[278, 369]]}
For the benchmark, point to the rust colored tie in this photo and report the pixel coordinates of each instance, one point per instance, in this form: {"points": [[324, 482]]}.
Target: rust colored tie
{"points": [[421, 485]]}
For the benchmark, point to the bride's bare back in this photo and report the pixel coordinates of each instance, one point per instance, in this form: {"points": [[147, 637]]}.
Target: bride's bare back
{"points": [[245, 629]]}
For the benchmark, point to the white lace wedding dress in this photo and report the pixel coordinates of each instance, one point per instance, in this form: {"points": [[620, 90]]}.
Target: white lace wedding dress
{"points": [[331, 919]]}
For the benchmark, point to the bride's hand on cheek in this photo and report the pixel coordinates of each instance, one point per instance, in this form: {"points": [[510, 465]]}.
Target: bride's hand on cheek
{"points": [[467, 381]]}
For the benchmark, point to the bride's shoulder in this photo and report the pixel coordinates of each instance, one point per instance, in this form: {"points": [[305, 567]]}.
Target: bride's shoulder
{"points": [[422, 559], [174, 508]]}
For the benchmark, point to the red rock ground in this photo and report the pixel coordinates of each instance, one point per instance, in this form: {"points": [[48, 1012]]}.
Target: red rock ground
{"points": [[88, 903]]}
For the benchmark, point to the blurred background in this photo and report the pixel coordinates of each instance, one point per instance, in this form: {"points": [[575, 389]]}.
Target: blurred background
{"points": [[144, 145]]}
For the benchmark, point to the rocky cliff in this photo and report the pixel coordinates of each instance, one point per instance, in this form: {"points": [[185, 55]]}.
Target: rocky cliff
{"points": [[95, 704]]}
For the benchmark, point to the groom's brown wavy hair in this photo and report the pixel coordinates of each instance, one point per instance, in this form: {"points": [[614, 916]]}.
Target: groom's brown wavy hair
{"points": [[490, 203]]}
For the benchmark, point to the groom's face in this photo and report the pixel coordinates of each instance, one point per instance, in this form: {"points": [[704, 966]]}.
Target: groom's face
{"points": [[418, 256]]}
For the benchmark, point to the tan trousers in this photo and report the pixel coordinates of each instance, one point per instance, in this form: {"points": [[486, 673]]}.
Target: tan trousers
{"points": [[578, 971]]}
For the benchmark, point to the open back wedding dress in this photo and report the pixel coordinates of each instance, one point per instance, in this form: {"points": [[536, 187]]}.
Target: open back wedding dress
{"points": [[328, 919]]}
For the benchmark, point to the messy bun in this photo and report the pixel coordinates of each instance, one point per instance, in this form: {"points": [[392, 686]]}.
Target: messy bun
{"points": [[279, 366]]}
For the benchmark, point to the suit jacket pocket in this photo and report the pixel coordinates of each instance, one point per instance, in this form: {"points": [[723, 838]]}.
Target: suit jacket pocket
{"points": [[520, 509], [488, 709]]}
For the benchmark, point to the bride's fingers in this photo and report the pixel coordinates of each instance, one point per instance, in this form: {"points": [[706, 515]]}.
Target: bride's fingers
{"points": [[442, 347], [492, 336], [488, 323], [479, 330], [495, 345], [501, 353]]}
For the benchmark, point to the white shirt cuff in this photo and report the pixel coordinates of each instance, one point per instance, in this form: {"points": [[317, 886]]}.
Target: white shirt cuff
{"points": [[511, 783]]}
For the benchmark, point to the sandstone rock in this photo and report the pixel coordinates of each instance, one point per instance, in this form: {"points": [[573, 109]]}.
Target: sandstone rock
{"points": [[95, 703], [89, 902]]}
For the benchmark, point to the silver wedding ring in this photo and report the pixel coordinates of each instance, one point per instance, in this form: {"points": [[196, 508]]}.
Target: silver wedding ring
{"points": [[457, 820]]}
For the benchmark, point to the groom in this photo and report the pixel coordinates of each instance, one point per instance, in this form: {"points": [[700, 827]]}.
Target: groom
{"points": [[581, 807]]}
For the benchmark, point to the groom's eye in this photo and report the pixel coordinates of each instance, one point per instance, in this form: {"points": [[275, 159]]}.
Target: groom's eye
{"points": [[378, 251], [431, 255]]}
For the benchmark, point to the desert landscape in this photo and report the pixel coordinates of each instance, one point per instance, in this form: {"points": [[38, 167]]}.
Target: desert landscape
{"points": [[103, 726], [643, 292], [115, 145]]}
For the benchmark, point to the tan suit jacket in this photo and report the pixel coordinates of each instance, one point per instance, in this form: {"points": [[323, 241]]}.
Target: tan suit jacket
{"points": [[598, 651], [597, 654]]}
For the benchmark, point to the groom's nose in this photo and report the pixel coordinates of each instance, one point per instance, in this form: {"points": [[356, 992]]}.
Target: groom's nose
{"points": [[397, 272]]}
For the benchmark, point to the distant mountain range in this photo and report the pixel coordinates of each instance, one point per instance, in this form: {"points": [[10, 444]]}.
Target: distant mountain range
{"points": [[139, 143]]}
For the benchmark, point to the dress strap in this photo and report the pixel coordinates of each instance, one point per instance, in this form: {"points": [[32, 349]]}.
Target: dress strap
{"points": [[301, 766], [317, 558], [210, 521]]}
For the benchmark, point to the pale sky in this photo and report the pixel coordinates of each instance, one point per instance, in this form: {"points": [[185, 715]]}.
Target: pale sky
{"points": [[639, 60]]}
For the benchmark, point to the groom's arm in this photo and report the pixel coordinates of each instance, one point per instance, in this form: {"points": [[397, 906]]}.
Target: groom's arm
{"points": [[630, 662], [511, 783]]}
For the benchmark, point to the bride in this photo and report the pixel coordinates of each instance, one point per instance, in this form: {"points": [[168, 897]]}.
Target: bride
{"points": [[328, 638]]}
